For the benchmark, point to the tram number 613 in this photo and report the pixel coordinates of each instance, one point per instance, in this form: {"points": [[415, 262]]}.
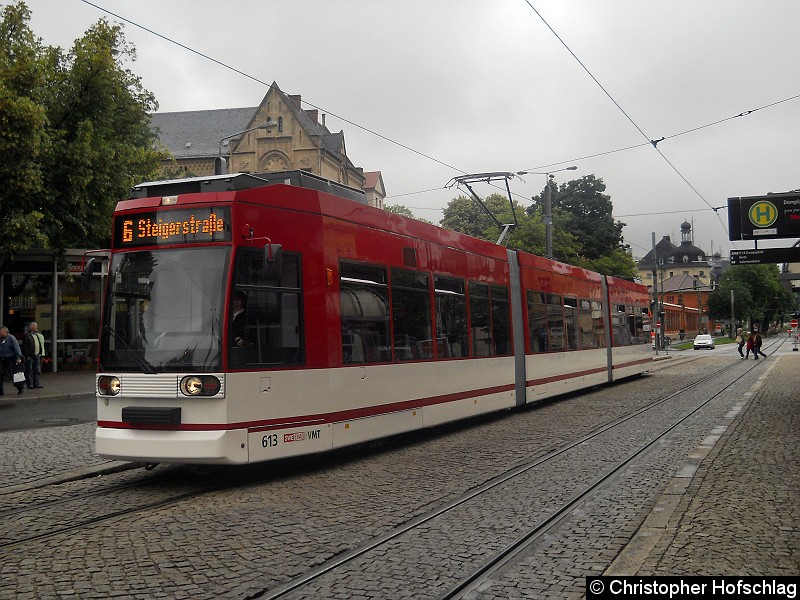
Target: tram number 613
{"points": [[269, 441]]}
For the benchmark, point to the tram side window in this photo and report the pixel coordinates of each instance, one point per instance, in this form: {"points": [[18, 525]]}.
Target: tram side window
{"points": [[598, 325], [571, 322], [480, 319], [619, 324], [586, 332], [451, 318], [411, 315], [364, 301], [537, 321], [555, 322], [501, 322], [269, 330]]}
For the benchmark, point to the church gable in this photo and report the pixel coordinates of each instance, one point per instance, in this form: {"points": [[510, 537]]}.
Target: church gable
{"points": [[296, 141], [277, 135]]}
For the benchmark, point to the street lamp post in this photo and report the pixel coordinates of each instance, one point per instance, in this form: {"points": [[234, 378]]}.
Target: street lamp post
{"points": [[220, 164], [547, 206]]}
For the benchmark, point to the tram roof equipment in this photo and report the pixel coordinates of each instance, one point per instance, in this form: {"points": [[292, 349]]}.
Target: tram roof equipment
{"points": [[243, 181]]}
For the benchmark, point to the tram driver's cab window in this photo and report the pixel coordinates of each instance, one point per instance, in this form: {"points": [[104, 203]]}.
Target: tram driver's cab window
{"points": [[265, 326]]}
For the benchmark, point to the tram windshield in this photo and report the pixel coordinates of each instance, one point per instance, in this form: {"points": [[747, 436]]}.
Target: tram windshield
{"points": [[164, 310]]}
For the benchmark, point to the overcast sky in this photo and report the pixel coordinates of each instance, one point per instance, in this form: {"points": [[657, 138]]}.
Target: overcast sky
{"points": [[425, 90]]}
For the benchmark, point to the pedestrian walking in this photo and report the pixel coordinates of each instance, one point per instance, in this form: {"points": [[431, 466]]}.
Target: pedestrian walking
{"points": [[749, 343], [10, 358], [757, 346], [740, 341], [33, 351]]}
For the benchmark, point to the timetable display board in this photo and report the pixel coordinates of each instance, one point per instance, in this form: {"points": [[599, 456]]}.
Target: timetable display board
{"points": [[176, 226]]}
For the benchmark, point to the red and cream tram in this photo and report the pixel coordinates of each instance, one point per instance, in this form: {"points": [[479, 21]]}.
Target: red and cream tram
{"points": [[254, 317]]}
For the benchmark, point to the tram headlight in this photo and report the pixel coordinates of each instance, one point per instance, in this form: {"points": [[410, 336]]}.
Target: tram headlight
{"points": [[200, 385], [108, 385]]}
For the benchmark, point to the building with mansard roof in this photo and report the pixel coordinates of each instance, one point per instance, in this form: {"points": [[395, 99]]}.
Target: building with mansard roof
{"points": [[669, 260], [299, 139], [686, 276]]}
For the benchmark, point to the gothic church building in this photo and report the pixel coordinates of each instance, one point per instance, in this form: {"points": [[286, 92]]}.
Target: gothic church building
{"points": [[294, 139]]}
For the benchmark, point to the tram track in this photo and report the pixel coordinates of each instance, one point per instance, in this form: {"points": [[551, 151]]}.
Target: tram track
{"points": [[52, 517], [507, 555], [498, 562], [48, 517]]}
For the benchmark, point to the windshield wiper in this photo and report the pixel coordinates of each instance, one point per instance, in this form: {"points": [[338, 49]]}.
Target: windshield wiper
{"points": [[134, 354]]}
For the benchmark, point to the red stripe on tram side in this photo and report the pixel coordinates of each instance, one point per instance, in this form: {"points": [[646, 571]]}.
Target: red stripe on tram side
{"points": [[633, 363], [317, 419], [565, 376]]}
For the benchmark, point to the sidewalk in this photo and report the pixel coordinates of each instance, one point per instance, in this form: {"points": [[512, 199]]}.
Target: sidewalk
{"points": [[734, 508], [62, 385]]}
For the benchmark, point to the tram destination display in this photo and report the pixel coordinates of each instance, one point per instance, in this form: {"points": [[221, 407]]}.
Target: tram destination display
{"points": [[167, 227]]}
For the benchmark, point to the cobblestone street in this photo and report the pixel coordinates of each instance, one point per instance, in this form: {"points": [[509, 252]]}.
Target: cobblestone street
{"points": [[720, 497]]}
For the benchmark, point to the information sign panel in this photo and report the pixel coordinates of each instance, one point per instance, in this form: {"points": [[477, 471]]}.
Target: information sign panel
{"points": [[772, 216], [765, 256]]}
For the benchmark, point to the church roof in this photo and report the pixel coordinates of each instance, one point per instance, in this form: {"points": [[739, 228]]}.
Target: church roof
{"points": [[694, 253], [664, 248], [197, 133], [670, 254]]}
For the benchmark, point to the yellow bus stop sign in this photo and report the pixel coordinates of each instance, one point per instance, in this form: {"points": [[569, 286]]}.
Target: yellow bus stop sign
{"points": [[763, 213]]}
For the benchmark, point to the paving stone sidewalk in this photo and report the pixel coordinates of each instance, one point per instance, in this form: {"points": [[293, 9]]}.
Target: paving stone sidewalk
{"points": [[735, 510]]}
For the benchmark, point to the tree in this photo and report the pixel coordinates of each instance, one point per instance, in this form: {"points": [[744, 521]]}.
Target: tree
{"points": [[462, 214], [759, 297], [592, 223], [531, 235], [583, 202], [75, 135], [618, 263], [23, 119], [581, 209]]}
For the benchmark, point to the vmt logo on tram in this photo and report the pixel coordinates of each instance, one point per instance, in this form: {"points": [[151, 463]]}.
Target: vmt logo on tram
{"points": [[763, 213]]}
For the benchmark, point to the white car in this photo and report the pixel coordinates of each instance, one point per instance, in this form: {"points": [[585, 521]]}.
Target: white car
{"points": [[704, 341]]}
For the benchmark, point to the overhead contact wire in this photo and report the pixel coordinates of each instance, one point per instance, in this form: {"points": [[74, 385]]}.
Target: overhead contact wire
{"points": [[652, 142]]}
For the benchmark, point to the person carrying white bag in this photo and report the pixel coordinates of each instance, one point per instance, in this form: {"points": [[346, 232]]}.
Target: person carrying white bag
{"points": [[10, 360]]}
